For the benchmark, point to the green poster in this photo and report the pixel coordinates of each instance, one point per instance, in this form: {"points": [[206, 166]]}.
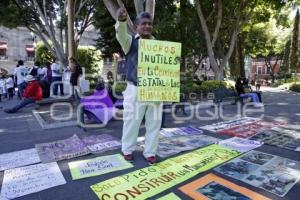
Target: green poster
{"points": [[170, 196], [158, 73], [152, 180], [97, 166]]}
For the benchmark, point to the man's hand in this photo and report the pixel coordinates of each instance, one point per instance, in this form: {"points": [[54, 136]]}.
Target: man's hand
{"points": [[122, 14]]}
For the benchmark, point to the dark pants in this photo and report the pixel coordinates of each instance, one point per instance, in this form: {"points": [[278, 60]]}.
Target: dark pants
{"points": [[55, 87], [259, 96], [10, 92], [22, 104]]}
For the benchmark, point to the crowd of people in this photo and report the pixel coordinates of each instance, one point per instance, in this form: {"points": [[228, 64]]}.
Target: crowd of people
{"points": [[31, 84]]}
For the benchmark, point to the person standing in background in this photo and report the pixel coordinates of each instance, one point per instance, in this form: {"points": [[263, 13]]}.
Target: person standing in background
{"points": [[10, 87], [57, 78], [20, 73], [76, 72]]}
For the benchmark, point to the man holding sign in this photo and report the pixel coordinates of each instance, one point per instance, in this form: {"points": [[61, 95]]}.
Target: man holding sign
{"points": [[134, 111]]}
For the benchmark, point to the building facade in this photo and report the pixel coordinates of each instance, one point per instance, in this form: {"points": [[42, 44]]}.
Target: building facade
{"points": [[261, 71], [19, 44]]}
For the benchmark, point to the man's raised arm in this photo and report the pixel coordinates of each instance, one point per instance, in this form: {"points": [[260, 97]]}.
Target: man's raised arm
{"points": [[121, 30]]}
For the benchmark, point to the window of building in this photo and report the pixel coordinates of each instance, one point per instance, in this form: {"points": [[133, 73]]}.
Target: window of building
{"points": [[30, 52], [259, 70], [3, 48]]}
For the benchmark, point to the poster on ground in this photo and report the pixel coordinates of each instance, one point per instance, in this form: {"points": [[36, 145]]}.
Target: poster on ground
{"points": [[240, 144], [18, 159], [271, 173], [180, 131], [61, 149], [219, 126], [149, 181], [281, 137], [101, 143], [31, 179], [246, 130], [158, 71], [169, 146], [97, 166], [170, 196], [214, 187]]}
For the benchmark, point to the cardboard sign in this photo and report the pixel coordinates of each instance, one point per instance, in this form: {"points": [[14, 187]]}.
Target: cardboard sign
{"points": [[61, 149], [149, 181], [101, 143], [240, 144], [271, 173], [26, 180], [158, 70], [97, 166], [18, 159], [214, 187]]}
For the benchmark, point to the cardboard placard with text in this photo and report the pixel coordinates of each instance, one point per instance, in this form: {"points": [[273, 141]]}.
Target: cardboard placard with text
{"points": [[158, 70]]}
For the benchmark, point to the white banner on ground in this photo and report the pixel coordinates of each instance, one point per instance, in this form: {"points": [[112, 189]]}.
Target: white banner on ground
{"points": [[18, 159], [97, 166], [229, 124], [240, 144], [104, 146], [26, 180], [187, 130]]}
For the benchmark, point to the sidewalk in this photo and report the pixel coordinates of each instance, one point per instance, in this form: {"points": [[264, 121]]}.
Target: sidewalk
{"points": [[22, 131]]}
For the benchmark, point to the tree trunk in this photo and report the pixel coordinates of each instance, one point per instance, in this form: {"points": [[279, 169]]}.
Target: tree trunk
{"points": [[241, 57], [71, 41]]}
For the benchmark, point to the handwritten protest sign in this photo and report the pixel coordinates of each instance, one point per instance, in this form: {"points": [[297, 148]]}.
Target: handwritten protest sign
{"points": [[30, 179], [158, 70], [240, 144], [97, 166], [101, 143], [61, 149], [18, 159], [150, 181]]}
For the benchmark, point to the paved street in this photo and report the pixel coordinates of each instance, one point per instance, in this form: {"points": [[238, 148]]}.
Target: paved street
{"points": [[22, 131]]}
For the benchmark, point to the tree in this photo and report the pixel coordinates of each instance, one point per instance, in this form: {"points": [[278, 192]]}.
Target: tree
{"points": [[48, 19], [221, 32], [294, 59], [285, 66]]}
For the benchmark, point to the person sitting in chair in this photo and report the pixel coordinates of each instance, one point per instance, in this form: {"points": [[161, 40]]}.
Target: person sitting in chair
{"points": [[33, 92], [245, 91]]}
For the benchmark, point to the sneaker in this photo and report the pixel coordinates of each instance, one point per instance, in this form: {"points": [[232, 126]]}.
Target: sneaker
{"points": [[151, 160], [128, 157]]}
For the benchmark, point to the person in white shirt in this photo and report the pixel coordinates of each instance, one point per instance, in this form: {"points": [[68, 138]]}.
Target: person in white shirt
{"points": [[57, 78], [21, 72], [2, 86], [10, 87]]}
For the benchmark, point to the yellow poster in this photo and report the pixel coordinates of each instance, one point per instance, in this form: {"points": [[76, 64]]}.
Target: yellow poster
{"points": [[158, 70], [149, 181]]}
